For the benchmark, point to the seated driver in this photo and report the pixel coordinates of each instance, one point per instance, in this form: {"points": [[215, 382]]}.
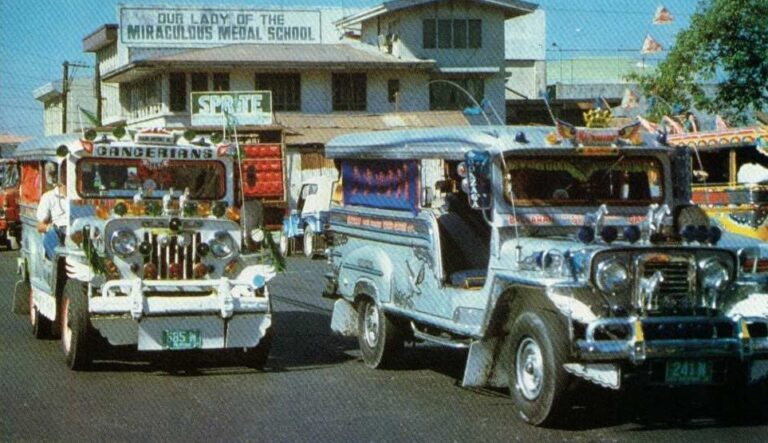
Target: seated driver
{"points": [[52, 216]]}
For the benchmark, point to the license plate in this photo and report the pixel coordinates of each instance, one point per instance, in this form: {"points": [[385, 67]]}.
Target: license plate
{"points": [[689, 372], [181, 339]]}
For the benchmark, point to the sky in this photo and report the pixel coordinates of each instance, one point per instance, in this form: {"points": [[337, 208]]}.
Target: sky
{"points": [[37, 36]]}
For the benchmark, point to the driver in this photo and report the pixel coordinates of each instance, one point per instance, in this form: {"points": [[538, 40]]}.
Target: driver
{"points": [[52, 214]]}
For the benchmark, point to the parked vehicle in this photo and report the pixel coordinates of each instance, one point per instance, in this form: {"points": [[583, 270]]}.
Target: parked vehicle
{"points": [[153, 254], [731, 183], [10, 224], [307, 222], [550, 255]]}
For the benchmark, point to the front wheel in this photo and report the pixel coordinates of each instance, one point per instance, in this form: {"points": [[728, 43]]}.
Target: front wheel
{"points": [[40, 326], [537, 380], [309, 242], [380, 340], [77, 337]]}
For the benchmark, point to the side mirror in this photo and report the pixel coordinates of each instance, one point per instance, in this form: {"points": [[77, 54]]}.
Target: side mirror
{"points": [[477, 183]]}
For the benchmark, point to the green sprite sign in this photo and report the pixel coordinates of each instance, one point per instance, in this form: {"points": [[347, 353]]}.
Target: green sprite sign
{"points": [[247, 107]]}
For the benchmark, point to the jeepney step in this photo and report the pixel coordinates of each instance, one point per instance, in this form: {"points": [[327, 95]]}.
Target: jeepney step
{"points": [[446, 339]]}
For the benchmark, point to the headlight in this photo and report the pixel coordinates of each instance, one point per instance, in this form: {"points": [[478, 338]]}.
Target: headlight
{"points": [[257, 235], [222, 245], [123, 243], [714, 275], [612, 276]]}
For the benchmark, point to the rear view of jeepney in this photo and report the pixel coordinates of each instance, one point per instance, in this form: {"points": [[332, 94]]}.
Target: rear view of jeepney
{"points": [[154, 254], [575, 255]]}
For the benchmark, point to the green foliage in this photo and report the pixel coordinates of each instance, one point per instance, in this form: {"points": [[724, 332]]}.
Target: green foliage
{"points": [[93, 257], [92, 119], [726, 45], [277, 259]]}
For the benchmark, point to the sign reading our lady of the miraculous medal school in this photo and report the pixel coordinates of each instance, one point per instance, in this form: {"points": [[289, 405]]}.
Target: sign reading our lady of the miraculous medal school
{"points": [[215, 26], [248, 107]]}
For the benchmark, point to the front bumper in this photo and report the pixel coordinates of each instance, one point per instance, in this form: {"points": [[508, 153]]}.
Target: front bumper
{"points": [[637, 340]]}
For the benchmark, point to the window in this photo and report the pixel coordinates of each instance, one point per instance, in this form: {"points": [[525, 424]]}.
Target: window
{"points": [[286, 90], [429, 28], [452, 34], [221, 81], [349, 92], [445, 96], [199, 82], [144, 97], [178, 88], [393, 89]]}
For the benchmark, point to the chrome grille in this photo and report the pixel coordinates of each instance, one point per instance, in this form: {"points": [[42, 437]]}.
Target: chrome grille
{"points": [[163, 256], [677, 290]]}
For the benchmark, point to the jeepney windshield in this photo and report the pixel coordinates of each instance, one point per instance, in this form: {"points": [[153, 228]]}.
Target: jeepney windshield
{"points": [[121, 178], [580, 181]]}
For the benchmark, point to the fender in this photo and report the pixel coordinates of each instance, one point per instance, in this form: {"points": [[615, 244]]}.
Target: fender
{"points": [[371, 266]]}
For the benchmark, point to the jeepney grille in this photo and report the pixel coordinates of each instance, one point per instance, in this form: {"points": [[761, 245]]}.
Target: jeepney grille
{"points": [[676, 291], [171, 253]]}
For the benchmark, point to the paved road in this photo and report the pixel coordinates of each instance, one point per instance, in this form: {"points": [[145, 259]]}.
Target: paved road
{"points": [[314, 388]]}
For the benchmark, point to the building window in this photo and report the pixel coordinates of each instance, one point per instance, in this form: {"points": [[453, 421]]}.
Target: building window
{"points": [[178, 90], [285, 88], [452, 34], [221, 81], [145, 97], [349, 92], [393, 90], [199, 82], [447, 97]]}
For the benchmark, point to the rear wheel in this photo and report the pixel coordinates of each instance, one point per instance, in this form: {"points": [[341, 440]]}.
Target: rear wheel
{"points": [[537, 380], [309, 242], [40, 326], [77, 337], [381, 343]]}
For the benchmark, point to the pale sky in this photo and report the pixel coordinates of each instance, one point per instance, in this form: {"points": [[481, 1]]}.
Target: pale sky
{"points": [[37, 36]]}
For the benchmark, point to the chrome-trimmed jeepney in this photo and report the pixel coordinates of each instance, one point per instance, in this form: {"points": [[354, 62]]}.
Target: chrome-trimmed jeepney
{"points": [[143, 263], [549, 253]]}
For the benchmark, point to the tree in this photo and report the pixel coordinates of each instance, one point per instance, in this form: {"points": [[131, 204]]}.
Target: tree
{"points": [[726, 44]]}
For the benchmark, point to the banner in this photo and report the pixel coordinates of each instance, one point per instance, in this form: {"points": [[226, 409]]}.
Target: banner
{"points": [[242, 107], [390, 184]]}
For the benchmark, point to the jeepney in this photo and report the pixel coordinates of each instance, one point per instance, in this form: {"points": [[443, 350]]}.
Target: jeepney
{"points": [[731, 180], [10, 224], [552, 255], [307, 222], [154, 255]]}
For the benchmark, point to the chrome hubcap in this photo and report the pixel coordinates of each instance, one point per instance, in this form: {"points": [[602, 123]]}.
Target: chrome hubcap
{"points": [[529, 369], [371, 325]]}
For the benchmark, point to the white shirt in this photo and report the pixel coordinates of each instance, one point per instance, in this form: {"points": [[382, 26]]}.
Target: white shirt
{"points": [[53, 207]]}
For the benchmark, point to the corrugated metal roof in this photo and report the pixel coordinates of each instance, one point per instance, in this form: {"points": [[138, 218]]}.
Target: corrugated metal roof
{"points": [[10, 139], [309, 129]]}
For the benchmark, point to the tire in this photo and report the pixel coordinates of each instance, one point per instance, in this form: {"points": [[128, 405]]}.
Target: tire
{"points": [[21, 303], [537, 380], [309, 242], [77, 337], [256, 357], [40, 326], [381, 342], [284, 243]]}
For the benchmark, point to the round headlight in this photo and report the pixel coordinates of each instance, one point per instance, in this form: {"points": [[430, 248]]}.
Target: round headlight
{"points": [[123, 243], [257, 235], [222, 245], [714, 275], [612, 276]]}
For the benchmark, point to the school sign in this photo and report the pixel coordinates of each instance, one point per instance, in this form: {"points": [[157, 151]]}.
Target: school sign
{"points": [[247, 108], [203, 26]]}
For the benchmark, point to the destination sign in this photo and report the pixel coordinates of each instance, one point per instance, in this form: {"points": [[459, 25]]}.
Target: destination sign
{"points": [[157, 153]]}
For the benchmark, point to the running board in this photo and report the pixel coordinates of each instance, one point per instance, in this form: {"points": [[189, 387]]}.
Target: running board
{"points": [[444, 341]]}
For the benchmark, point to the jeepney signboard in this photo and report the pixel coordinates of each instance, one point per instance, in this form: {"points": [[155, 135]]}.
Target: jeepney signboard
{"points": [[204, 26], [247, 108]]}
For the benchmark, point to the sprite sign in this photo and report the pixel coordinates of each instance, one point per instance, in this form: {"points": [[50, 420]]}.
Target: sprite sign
{"points": [[248, 107]]}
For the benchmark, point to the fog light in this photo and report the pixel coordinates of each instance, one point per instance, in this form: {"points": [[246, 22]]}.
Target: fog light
{"points": [[203, 249], [200, 270], [120, 209], [231, 268], [174, 271], [77, 237], [150, 271], [145, 248], [112, 271]]}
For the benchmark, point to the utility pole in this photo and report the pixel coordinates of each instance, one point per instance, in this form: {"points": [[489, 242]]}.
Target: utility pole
{"points": [[97, 91], [65, 91]]}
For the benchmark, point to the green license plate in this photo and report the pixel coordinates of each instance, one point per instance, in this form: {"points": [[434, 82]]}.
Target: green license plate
{"points": [[181, 339], [689, 372]]}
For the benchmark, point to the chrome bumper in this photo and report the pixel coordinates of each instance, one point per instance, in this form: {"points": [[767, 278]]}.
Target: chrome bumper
{"points": [[638, 347]]}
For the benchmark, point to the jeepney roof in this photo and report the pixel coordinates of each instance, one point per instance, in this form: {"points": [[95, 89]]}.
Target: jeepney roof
{"points": [[44, 147], [726, 138], [450, 143]]}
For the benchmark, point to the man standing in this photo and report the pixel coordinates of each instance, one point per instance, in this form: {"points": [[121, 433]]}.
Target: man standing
{"points": [[52, 216]]}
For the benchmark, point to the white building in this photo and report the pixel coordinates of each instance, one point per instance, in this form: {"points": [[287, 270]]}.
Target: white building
{"points": [[80, 95]]}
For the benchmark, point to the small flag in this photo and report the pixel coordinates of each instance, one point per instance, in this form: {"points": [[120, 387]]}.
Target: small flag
{"points": [[230, 121], [648, 125], [629, 100], [662, 16], [720, 124], [671, 125], [90, 116], [650, 46]]}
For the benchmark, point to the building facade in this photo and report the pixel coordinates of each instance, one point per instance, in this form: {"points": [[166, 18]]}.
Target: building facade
{"points": [[80, 95]]}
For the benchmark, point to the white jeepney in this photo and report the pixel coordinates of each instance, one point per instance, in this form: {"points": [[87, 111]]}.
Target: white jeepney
{"points": [[154, 254], [551, 255]]}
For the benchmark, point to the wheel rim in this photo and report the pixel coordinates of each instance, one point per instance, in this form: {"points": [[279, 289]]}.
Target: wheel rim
{"points": [[66, 331], [371, 325], [32, 316], [308, 242], [283, 245], [529, 368]]}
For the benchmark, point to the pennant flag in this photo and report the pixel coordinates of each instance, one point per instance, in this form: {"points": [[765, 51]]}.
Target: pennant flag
{"points": [[566, 130], [629, 100], [647, 125], [662, 16], [90, 116], [720, 124], [650, 46], [671, 125]]}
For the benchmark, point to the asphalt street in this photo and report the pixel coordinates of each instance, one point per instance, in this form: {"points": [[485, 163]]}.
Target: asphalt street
{"points": [[314, 388]]}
